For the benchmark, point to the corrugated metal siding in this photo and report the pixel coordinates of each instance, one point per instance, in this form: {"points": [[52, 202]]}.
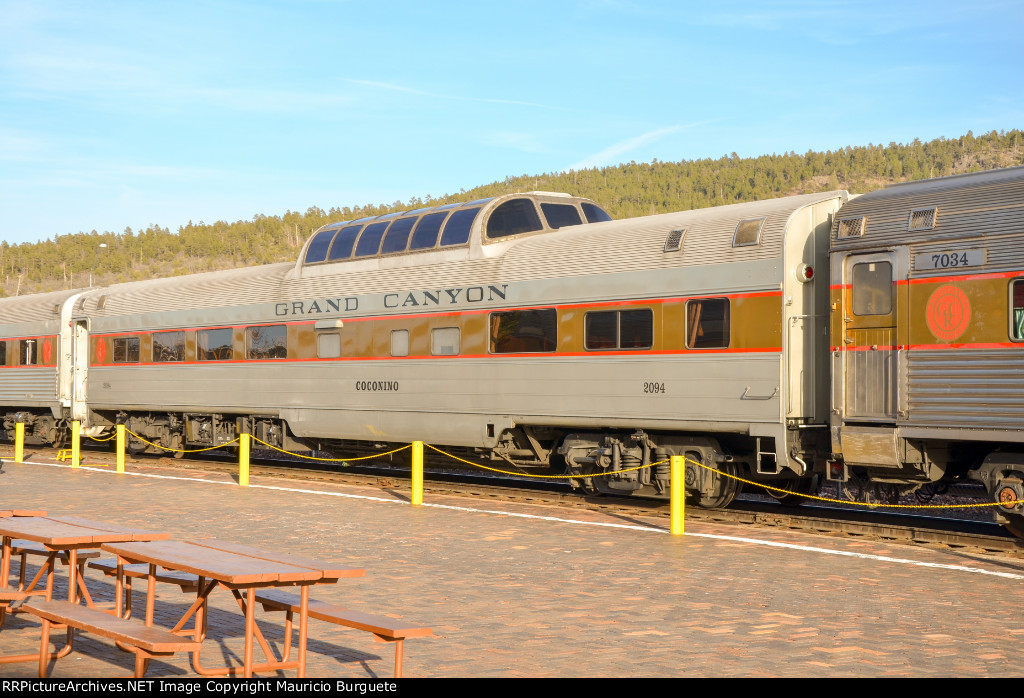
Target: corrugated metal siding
{"points": [[966, 388], [980, 204], [38, 308], [605, 248], [36, 384]]}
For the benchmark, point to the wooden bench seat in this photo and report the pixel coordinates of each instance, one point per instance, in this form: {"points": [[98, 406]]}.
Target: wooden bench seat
{"points": [[154, 641], [188, 582], [383, 628]]}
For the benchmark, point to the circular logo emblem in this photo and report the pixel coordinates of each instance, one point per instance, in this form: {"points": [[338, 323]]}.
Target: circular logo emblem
{"points": [[948, 313], [101, 350], [47, 351]]}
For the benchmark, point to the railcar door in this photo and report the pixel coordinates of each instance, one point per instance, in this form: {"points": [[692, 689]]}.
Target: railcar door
{"points": [[80, 349], [870, 352]]}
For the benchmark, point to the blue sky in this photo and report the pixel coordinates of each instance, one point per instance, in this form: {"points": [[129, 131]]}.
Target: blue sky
{"points": [[116, 114]]}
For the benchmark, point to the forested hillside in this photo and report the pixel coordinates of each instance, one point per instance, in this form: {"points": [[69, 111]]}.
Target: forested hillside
{"points": [[633, 189]]}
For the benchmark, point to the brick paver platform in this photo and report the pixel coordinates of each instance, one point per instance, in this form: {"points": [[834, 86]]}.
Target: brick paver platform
{"points": [[551, 594]]}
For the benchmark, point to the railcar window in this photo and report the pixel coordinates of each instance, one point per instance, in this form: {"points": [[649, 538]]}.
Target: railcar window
{"points": [[619, 329], [328, 345], [707, 323], [524, 331], [169, 346], [561, 215], [317, 250], [445, 341], [369, 241], [214, 345], [456, 230], [594, 214], [126, 350], [514, 217], [399, 342], [266, 342], [872, 288], [425, 235], [27, 354], [1017, 313], [398, 236], [3, 353], [343, 243]]}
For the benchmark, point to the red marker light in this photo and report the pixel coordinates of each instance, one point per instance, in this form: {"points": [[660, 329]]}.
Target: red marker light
{"points": [[808, 272]]}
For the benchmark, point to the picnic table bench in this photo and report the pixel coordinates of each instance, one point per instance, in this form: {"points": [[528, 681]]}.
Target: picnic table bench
{"points": [[279, 599]]}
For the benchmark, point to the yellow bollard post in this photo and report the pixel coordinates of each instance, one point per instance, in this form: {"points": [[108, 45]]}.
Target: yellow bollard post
{"points": [[677, 494], [120, 448], [19, 442], [417, 473], [76, 444], [243, 460]]}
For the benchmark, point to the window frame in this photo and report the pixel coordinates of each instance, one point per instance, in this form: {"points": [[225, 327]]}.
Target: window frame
{"points": [[687, 329], [434, 333], [156, 340], [126, 344], [201, 350], [618, 329], [499, 314], [272, 348], [1011, 308]]}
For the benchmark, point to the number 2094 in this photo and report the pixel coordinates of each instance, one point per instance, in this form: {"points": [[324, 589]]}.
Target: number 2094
{"points": [[654, 388]]}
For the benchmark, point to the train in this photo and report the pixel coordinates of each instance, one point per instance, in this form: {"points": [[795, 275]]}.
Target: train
{"points": [[874, 341]]}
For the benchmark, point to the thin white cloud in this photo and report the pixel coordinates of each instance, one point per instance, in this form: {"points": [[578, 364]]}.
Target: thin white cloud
{"points": [[617, 152]]}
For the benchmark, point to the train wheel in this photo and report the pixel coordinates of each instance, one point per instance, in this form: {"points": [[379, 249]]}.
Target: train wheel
{"points": [[722, 490], [794, 489]]}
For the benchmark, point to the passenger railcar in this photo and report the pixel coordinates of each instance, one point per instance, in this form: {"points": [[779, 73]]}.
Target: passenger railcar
{"points": [[874, 340], [928, 335]]}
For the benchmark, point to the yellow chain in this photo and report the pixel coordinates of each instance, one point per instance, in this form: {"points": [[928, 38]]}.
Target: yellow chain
{"points": [[180, 450], [332, 460], [734, 477]]}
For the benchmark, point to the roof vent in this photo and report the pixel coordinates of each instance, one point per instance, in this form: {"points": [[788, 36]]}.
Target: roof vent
{"points": [[851, 227], [748, 232], [922, 219], [674, 241]]}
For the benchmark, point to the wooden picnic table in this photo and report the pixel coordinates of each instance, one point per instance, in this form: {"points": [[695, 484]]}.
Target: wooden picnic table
{"points": [[58, 535], [242, 570]]}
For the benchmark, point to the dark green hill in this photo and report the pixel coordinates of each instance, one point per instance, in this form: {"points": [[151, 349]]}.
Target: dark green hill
{"points": [[632, 189]]}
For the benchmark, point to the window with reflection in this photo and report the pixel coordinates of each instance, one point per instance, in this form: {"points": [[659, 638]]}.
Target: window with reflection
{"points": [[214, 345], [28, 354], [169, 346], [707, 323], [594, 214], [1016, 311], [524, 331], [425, 235], [458, 227], [619, 329], [343, 243], [560, 215], [397, 238], [514, 217], [126, 350], [872, 288], [369, 241], [266, 342], [317, 250]]}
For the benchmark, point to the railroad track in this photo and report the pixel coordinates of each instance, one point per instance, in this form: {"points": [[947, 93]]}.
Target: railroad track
{"points": [[973, 537]]}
